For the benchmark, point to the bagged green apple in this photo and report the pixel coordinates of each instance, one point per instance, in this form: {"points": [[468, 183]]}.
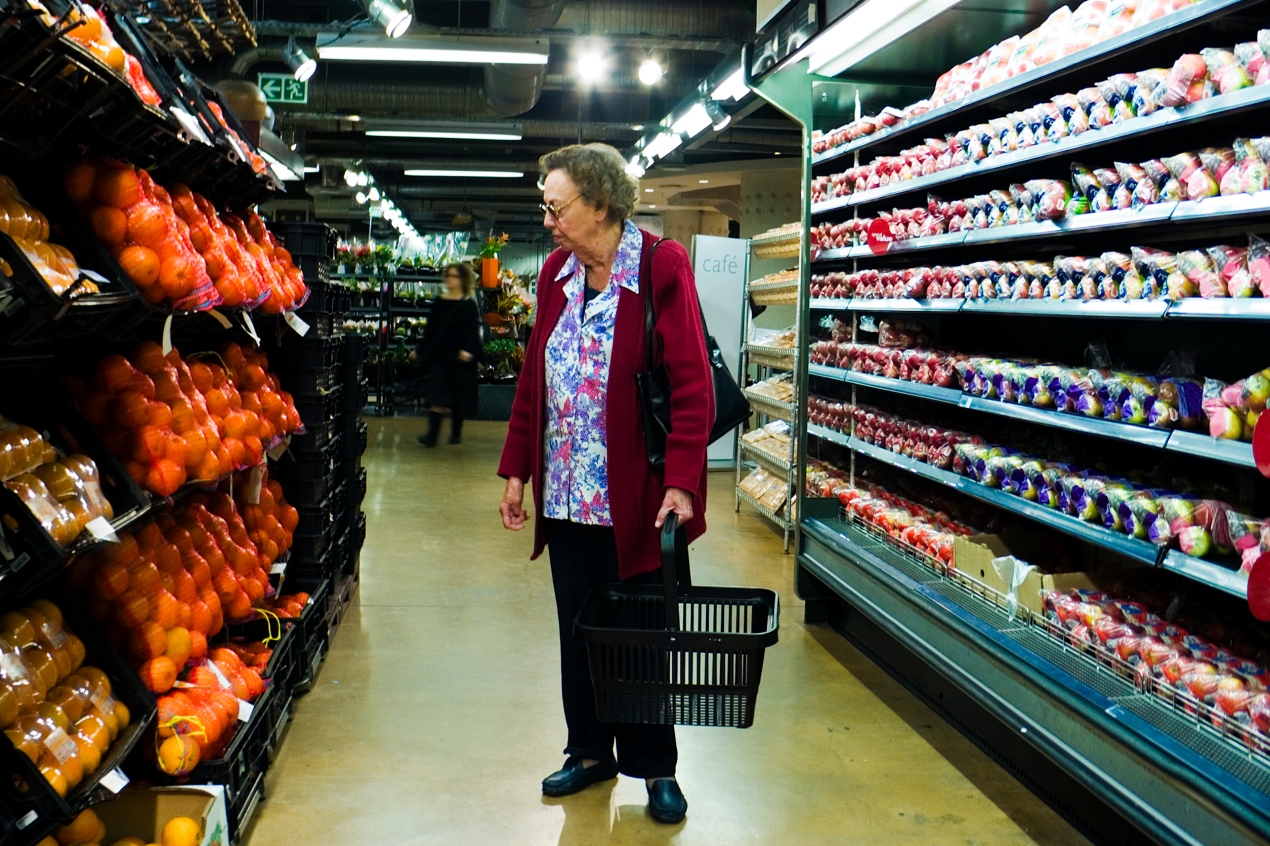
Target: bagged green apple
{"points": [[1232, 266], [1252, 167], [1259, 263], [1228, 410], [1225, 70], [1196, 181], [1253, 61], [1200, 271]]}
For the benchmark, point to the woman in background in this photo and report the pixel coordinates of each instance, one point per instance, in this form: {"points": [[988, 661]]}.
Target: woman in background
{"points": [[448, 352]]}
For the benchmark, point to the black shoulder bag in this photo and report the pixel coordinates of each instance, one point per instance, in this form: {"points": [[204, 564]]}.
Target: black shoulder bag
{"points": [[730, 406]]}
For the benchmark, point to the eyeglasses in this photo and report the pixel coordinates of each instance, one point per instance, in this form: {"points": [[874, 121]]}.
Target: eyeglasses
{"points": [[554, 210]]}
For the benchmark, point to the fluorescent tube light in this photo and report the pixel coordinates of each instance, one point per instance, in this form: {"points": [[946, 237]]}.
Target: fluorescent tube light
{"points": [[732, 88], [663, 145], [693, 122], [425, 133], [312, 169], [471, 50], [868, 28], [475, 174]]}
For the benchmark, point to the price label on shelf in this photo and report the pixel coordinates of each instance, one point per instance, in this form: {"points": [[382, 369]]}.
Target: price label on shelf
{"points": [[279, 567], [114, 781], [167, 335], [965, 401], [94, 276], [293, 320], [276, 452], [100, 528], [245, 710]]}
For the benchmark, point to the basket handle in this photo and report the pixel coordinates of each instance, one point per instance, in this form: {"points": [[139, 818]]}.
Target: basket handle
{"points": [[675, 572]]}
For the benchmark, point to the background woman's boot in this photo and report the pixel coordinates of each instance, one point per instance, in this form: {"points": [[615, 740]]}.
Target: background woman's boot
{"points": [[456, 427], [429, 439]]}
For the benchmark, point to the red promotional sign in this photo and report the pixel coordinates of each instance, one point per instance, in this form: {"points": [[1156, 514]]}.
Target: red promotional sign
{"points": [[1259, 587], [1261, 447], [879, 237]]}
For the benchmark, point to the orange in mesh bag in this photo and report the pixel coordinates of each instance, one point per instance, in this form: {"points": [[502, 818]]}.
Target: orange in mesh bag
{"points": [[232, 271], [134, 219]]}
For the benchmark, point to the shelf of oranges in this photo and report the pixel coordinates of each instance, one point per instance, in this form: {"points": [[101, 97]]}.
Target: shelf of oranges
{"points": [[72, 712], [61, 83]]}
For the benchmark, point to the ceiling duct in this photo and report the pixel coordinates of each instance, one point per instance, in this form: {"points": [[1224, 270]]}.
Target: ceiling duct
{"points": [[512, 90]]}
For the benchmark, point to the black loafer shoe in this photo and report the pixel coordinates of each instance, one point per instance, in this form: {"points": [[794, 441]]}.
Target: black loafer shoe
{"points": [[573, 777], [666, 802]]}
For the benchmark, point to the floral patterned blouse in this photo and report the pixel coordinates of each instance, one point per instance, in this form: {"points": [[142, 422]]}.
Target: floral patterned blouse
{"points": [[576, 480]]}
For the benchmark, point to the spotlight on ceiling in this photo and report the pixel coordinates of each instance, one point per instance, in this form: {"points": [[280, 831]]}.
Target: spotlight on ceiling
{"points": [[350, 178], [394, 19], [373, 193], [361, 198], [302, 67], [719, 119], [592, 65], [651, 71]]}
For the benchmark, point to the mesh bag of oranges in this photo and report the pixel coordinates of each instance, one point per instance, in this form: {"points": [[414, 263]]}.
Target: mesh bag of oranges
{"points": [[286, 281], [196, 722], [29, 229], [86, 26], [54, 709], [135, 221], [171, 420], [236, 273]]}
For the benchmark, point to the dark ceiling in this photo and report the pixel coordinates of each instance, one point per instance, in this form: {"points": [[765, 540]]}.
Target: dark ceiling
{"points": [[692, 37]]}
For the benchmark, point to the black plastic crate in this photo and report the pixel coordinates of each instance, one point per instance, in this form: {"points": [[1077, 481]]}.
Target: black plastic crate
{"points": [[309, 550], [306, 239], [38, 808], [317, 440], [356, 440], [357, 488], [307, 353], [320, 407], [333, 297], [356, 394]]}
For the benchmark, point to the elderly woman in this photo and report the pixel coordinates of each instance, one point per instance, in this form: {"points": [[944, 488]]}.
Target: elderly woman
{"points": [[576, 435]]}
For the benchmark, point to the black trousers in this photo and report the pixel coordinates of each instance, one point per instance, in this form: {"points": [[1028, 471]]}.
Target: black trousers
{"points": [[583, 557]]}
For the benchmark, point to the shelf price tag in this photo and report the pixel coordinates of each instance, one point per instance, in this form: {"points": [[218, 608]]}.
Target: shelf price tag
{"points": [[965, 401], [114, 781], [245, 710], [276, 452], [100, 528], [167, 335], [293, 320], [94, 276], [279, 567], [220, 318]]}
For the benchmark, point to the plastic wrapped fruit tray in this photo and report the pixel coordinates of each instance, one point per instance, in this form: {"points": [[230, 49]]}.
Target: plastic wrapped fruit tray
{"points": [[26, 796]]}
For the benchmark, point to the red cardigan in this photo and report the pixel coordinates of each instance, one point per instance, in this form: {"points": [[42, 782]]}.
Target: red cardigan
{"points": [[635, 489]]}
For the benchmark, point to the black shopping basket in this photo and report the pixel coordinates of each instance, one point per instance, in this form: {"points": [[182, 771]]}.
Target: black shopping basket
{"points": [[677, 654]]}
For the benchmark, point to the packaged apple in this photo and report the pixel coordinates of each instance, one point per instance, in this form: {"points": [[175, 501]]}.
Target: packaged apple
{"points": [[1020, 60], [996, 68], [1146, 86], [1225, 70], [1117, 93], [1082, 31], [1252, 166], [1117, 20], [1253, 61], [1150, 10], [1051, 36], [1201, 273]]}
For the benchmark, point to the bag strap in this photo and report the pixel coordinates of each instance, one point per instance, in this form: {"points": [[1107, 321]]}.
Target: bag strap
{"points": [[650, 318]]}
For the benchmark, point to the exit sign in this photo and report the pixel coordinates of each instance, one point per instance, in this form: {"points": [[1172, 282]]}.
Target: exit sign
{"points": [[283, 88]]}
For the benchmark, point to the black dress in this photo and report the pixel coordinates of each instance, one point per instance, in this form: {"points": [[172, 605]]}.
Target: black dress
{"points": [[453, 326]]}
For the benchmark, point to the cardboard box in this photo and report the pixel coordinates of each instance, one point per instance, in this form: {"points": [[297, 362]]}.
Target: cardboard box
{"points": [[973, 556], [143, 811]]}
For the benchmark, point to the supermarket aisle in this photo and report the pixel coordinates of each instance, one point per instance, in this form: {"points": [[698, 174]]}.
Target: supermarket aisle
{"points": [[437, 713]]}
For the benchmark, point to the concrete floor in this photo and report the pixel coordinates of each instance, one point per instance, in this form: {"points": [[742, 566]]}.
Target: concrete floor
{"points": [[437, 712]]}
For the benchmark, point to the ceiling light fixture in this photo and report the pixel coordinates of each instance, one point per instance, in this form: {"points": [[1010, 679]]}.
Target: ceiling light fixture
{"points": [[312, 169], [692, 122], [394, 19], [651, 71], [361, 198], [719, 119], [354, 118], [648, 190], [373, 193], [663, 145], [350, 178], [592, 65], [652, 207], [703, 181], [475, 174], [470, 50], [436, 133], [731, 88], [868, 28], [639, 127], [302, 67]]}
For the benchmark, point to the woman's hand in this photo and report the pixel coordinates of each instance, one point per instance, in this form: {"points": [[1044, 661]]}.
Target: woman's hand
{"points": [[465, 356], [677, 500], [512, 507]]}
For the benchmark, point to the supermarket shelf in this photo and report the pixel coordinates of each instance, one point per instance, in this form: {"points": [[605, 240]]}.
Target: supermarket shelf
{"points": [[831, 304], [828, 434], [1141, 435], [833, 255], [1164, 771], [763, 510], [1221, 105], [1129, 547], [778, 358], [1071, 308], [1237, 309], [767, 459], [1189, 443], [772, 408], [895, 386], [954, 114], [1193, 443], [1207, 572], [904, 304]]}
